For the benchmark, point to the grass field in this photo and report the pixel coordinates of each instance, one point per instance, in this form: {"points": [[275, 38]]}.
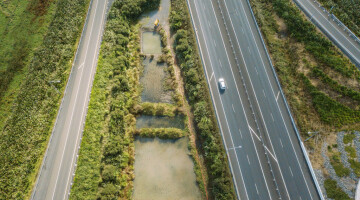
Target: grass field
{"points": [[32, 103]]}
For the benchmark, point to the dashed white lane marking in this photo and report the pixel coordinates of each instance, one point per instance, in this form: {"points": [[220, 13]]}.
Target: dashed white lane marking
{"points": [[272, 117], [264, 93], [281, 144], [277, 96], [291, 171], [214, 43], [232, 105], [212, 75], [248, 159], [249, 49], [233, 148], [220, 63], [240, 133], [257, 191], [256, 71]]}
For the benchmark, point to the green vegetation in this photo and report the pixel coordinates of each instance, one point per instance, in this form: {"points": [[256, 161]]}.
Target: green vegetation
{"points": [[333, 191], [163, 133], [198, 95], [23, 25], [355, 165], [347, 11], [319, 82], [330, 111], [305, 32], [161, 109], [107, 173], [348, 138], [351, 150], [345, 91], [339, 168], [27, 129]]}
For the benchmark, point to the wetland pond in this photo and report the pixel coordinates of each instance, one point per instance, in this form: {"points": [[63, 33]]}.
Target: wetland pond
{"points": [[152, 82], [164, 170], [151, 42]]}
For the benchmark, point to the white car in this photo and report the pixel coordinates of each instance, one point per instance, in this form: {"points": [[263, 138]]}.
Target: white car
{"points": [[222, 84]]}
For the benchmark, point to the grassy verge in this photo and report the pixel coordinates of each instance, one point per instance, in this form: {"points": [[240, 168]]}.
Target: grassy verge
{"points": [[27, 129], [22, 28], [199, 99]]}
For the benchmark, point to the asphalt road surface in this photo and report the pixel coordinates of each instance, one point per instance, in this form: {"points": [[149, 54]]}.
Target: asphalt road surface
{"points": [[264, 152], [331, 29], [58, 166]]}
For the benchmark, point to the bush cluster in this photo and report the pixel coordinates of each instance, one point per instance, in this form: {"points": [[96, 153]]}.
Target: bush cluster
{"points": [[330, 111], [26, 132], [333, 191], [345, 91], [162, 133], [198, 95], [339, 168]]}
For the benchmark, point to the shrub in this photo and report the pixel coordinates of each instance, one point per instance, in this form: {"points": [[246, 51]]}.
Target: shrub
{"points": [[348, 138], [333, 191]]}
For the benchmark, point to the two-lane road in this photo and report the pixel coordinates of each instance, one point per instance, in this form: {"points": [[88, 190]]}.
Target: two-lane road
{"points": [[58, 166], [337, 34], [259, 137]]}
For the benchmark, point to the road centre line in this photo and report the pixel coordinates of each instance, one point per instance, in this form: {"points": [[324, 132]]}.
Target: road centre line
{"points": [[252, 84], [94, 64], [257, 191], [72, 113], [248, 159], [263, 65], [212, 95], [291, 171], [277, 96], [257, 154], [240, 133]]}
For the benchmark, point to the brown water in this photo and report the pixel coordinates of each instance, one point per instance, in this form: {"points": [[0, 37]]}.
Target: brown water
{"points": [[152, 82], [146, 121], [151, 42], [164, 170]]}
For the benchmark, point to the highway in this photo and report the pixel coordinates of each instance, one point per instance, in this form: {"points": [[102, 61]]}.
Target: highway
{"points": [[335, 32], [264, 152], [56, 173]]}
